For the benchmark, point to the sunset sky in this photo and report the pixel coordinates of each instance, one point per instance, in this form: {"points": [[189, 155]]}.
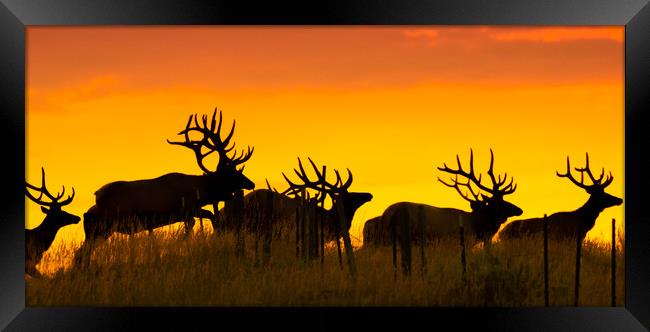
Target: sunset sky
{"points": [[390, 103]]}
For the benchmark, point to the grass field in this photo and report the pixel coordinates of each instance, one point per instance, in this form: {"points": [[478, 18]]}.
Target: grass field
{"points": [[169, 269]]}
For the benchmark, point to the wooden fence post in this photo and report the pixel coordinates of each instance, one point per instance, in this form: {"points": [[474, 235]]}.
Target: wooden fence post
{"points": [[546, 299], [463, 261], [238, 213], [313, 231], [338, 244], [393, 235], [406, 241], [322, 227], [322, 241], [255, 213], [215, 218], [346, 240], [423, 268], [303, 223], [267, 230], [578, 254], [308, 229], [298, 231], [613, 262]]}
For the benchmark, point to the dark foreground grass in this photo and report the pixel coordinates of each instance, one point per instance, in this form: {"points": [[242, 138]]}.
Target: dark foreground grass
{"points": [[168, 269]]}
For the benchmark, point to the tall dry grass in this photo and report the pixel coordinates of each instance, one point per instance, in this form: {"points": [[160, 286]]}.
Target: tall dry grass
{"points": [[169, 269]]}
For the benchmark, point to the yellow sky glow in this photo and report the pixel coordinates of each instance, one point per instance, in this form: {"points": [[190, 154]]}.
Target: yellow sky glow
{"points": [[390, 103]]}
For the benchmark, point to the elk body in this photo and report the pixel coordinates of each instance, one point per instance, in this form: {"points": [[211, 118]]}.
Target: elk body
{"points": [[412, 221], [133, 206], [154, 203], [39, 239], [284, 207], [486, 216], [572, 224], [284, 213], [405, 223]]}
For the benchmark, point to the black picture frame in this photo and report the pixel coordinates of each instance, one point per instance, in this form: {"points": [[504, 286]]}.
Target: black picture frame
{"points": [[15, 15]]}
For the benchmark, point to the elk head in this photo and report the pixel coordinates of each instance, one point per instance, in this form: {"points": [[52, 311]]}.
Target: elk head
{"points": [[599, 199], [487, 204], [226, 179], [338, 191], [54, 216]]}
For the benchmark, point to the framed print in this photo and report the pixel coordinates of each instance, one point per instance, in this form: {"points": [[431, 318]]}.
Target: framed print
{"points": [[352, 164]]}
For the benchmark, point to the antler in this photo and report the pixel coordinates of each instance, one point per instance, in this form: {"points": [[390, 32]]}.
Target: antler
{"points": [[497, 185], [498, 188], [456, 185], [320, 184], [596, 183], [212, 140], [271, 188], [196, 146], [43, 190]]}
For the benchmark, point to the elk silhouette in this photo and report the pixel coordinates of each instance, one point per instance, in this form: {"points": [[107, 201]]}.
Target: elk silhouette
{"points": [[570, 225], [374, 234], [407, 222], [488, 212], [285, 207], [39, 239], [133, 206]]}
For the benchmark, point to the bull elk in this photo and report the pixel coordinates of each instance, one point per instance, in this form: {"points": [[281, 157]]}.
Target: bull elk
{"points": [[133, 206], [407, 222], [487, 215], [570, 225], [285, 207], [39, 239]]}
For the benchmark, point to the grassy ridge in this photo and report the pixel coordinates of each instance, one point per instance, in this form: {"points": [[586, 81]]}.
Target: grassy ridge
{"points": [[167, 269]]}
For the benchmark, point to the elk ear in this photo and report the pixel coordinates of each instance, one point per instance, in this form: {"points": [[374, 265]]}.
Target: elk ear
{"points": [[45, 210]]}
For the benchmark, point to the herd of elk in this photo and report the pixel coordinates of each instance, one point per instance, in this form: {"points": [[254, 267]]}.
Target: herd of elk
{"points": [[129, 207], [573, 224], [39, 239], [284, 207], [132, 206]]}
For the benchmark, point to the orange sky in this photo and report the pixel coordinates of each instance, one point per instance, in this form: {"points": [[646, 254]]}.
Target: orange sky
{"points": [[390, 103]]}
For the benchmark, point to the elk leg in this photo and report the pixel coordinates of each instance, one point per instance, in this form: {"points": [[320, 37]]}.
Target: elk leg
{"points": [[214, 219], [404, 239], [94, 236], [205, 214], [189, 226], [405, 246]]}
